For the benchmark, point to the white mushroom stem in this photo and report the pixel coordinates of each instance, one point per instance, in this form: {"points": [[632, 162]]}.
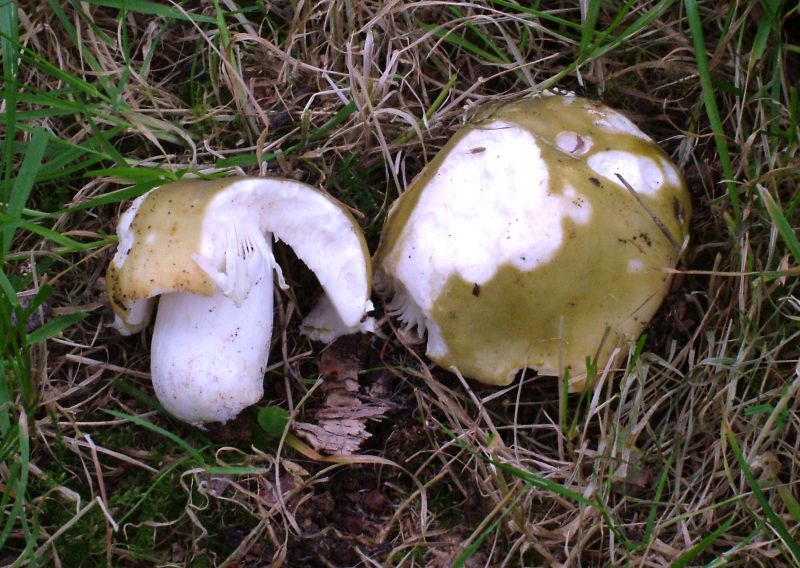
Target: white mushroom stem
{"points": [[209, 355]]}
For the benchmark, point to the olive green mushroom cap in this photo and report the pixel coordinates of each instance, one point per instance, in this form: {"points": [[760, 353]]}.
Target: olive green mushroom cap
{"points": [[520, 246]]}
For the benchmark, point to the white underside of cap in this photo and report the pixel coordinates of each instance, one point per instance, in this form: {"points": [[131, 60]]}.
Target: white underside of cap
{"points": [[487, 206], [314, 225], [324, 324]]}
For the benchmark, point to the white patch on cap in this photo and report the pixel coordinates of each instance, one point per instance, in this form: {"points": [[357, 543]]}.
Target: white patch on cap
{"points": [[127, 238], [642, 173], [672, 175], [616, 123], [483, 210], [573, 143], [635, 265]]}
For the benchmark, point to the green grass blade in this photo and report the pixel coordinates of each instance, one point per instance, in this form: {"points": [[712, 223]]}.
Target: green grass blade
{"points": [[781, 223], [252, 159], [589, 25], [696, 550], [136, 394], [710, 102], [165, 10], [485, 39], [791, 503], [6, 499], [17, 480], [5, 399], [769, 23], [117, 196], [771, 517], [473, 547], [9, 47], [161, 477], [77, 39], [24, 182], [8, 289], [10, 223], [543, 483], [640, 24], [29, 56], [224, 35], [541, 14], [794, 107], [105, 145], [54, 327], [651, 515], [198, 457], [451, 37]]}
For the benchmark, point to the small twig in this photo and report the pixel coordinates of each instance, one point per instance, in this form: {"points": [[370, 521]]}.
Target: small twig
{"points": [[659, 223]]}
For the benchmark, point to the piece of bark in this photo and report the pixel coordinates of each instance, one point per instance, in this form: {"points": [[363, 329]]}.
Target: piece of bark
{"points": [[341, 421]]}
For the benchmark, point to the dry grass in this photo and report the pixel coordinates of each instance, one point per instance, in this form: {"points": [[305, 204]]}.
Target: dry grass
{"points": [[687, 456]]}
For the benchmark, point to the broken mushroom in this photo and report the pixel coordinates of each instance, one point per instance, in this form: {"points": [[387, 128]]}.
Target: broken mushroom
{"points": [[205, 248], [536, 238]]}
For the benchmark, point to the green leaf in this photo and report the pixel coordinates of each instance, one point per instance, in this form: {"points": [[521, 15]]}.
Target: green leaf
{"points": [[273, 420]]}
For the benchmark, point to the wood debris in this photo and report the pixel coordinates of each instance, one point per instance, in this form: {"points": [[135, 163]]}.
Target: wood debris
{"points": [[342, 419]]}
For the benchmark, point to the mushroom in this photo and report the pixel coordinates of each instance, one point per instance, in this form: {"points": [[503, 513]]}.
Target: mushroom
{"points": [[205, 247], [536, 238]]}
